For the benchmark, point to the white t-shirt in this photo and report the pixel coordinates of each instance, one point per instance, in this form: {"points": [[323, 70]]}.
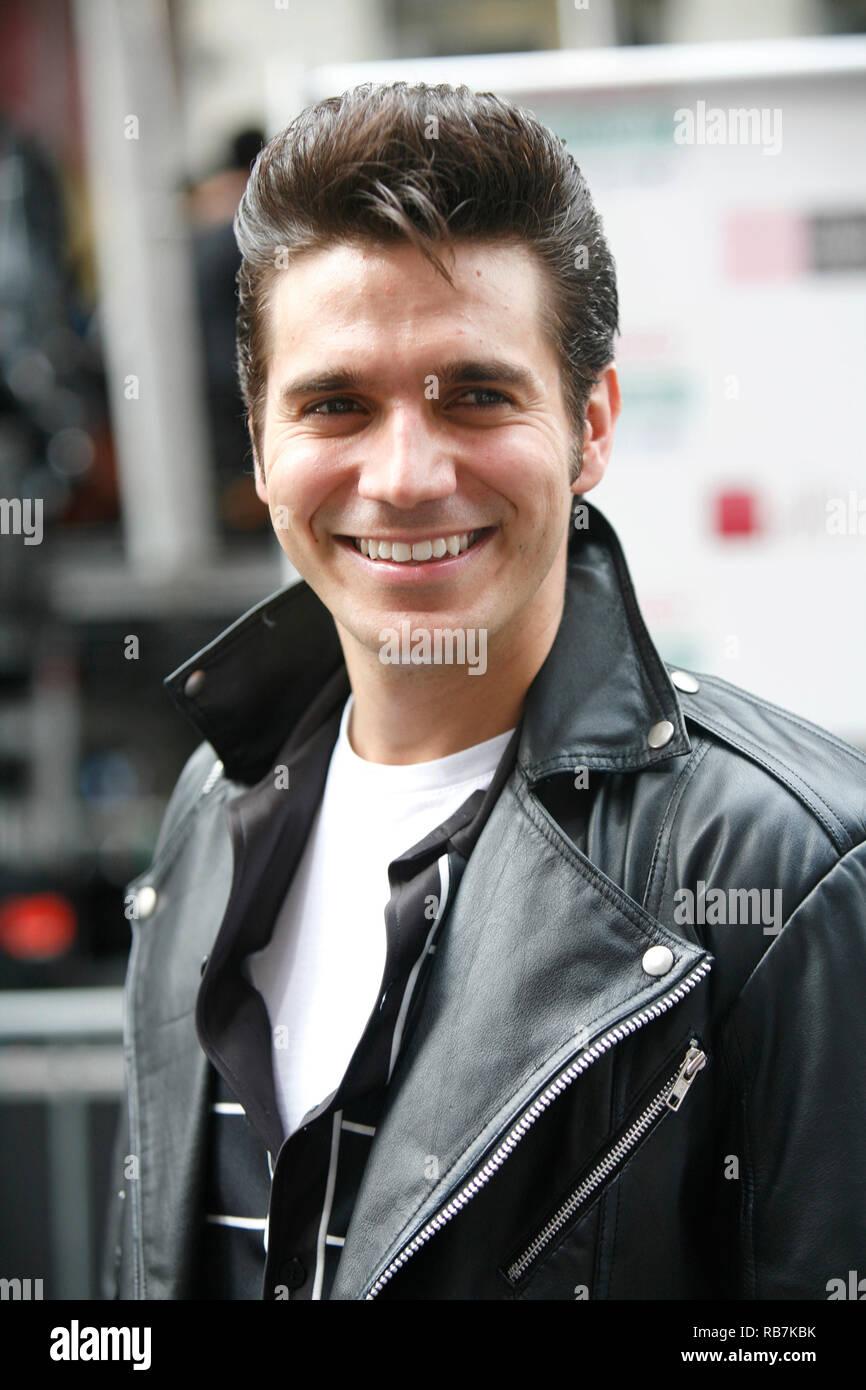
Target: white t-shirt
{"points": [[321, 972]]}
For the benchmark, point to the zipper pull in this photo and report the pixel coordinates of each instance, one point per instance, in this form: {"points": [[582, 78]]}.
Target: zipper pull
{"points": [[695, 1059]]}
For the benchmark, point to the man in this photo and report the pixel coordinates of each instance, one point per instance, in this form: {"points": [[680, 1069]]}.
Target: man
{"points": [[482, 956]]}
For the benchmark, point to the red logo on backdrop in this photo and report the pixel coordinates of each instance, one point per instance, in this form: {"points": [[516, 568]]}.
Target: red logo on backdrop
{"points": [[736, 514]]}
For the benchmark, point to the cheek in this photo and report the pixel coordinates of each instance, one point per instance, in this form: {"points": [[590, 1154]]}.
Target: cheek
{"points": [[523, 459], [536, 494], [299, 480]]}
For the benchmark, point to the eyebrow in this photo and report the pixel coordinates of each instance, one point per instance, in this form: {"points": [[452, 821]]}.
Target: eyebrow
{"points": [[449, 374]]}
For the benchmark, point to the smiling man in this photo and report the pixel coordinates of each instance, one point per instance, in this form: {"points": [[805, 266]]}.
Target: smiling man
{"points": [[430, 994]]}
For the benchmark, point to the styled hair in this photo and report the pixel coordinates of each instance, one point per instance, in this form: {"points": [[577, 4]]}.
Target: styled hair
{"points": [[389, 162]]}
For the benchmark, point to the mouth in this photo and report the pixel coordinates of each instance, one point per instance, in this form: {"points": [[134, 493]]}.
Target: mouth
{"points": [[427, 553]]}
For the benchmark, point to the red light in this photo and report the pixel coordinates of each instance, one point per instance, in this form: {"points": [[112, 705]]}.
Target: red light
{"points": [[39, 926]]}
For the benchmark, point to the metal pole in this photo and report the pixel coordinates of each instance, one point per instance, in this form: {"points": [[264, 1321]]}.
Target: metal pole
{"points": [[69, 1195], [149, 314]]}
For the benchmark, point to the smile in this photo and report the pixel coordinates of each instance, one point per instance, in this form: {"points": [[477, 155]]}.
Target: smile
{"points": [[424, 551], [404, 552]]}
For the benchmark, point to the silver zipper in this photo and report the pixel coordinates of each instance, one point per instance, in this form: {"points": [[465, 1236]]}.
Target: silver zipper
{"points": [[529, 1116], [670, 1097]]}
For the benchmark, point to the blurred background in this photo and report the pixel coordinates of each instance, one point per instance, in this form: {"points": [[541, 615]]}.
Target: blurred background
{"points": [[130, 533]]}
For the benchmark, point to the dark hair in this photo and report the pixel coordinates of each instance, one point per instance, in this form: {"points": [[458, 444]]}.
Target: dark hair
{"points": [[428, 165]]}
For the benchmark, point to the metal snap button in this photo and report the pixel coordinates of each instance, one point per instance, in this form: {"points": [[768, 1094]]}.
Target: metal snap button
{"points": [[684, 680], [658, 960], [145, 900], [660, 734], [194, 683]]}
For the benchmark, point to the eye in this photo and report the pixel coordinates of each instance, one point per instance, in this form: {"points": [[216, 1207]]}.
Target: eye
{"points": [[498, 397], [339, 402]]}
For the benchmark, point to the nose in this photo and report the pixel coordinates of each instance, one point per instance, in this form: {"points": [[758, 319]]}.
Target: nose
{"points": [[406, 462]]}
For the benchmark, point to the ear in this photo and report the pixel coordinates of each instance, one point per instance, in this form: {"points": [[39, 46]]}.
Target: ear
{"points": [[602, 410], [261, 484]]}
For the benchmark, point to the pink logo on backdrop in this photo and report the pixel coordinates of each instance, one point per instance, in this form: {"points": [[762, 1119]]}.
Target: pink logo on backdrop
{"points": [[765, 244]]}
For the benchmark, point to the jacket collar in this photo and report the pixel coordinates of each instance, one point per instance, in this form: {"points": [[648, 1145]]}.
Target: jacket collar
{"points": [[601, 690]]}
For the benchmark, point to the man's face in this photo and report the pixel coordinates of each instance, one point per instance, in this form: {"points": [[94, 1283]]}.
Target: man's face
{"points": [[408, 413]]}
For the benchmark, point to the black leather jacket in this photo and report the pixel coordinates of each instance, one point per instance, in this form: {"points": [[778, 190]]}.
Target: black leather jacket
{"points": [[638, 1058]]}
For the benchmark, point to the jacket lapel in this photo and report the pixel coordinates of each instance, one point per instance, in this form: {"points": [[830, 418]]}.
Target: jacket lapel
{"points": [[553, 981], [235, 853]]}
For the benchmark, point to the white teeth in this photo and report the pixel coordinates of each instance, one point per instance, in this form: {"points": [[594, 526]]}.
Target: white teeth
{"points": [[419, 551]]}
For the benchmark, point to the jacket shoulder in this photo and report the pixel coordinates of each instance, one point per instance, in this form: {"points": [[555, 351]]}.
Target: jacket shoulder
{"points": [[201, 769], [826, 775]]}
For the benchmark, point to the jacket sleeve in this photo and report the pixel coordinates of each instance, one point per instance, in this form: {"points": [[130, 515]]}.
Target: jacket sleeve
{"points": [[115, 1274], [795, 1043]]}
